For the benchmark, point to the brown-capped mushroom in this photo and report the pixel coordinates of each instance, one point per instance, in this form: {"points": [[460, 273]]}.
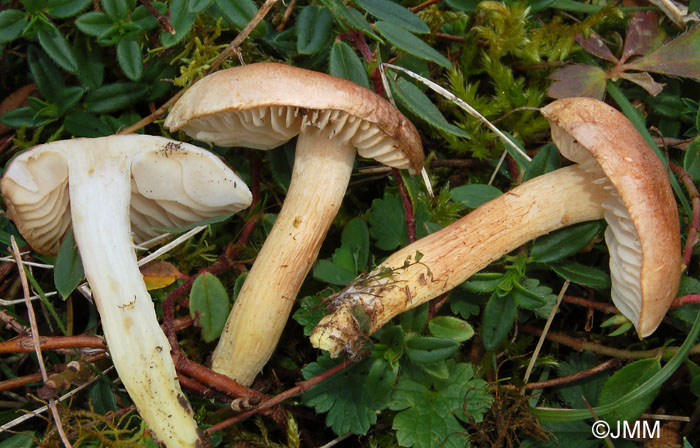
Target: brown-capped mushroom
{"points": [[92, 184], [617, 176], [262, 106]]}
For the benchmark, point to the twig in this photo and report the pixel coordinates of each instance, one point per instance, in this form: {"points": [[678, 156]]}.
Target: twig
{"points": [[287, 14], [153, 116], [538, 347], [11, 322], [26, 344], [35, 335], [691, 240], [603, 307], [300, 388], [215, 380], [20, 381], [161, 18], [174, 243], [423, 5], [609, 364], [407, 206]]}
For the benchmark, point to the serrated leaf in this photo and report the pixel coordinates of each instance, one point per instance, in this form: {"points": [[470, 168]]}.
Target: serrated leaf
{"points": [[380, 382], [497, 320], [582, 274], [309, 313], [329, 272], [411, 44], [113, 97], [56, 46], [564, 242], [589, 389], [355, 237], [413, 98], [624, 381], [474, 195], [678, 57], [68, 270], [450, 327], [395, 14], [159, 274], [464, 304], [313, 29], [427, 350], [387, 223], [12, 23], [130, 58], [344, 63], [577, 80], [209, 305], [181, 20]]}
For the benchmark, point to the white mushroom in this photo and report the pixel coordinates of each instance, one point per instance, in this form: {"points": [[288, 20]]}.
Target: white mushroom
{"points": [[617, 176], [262, 106], [91, 183]]}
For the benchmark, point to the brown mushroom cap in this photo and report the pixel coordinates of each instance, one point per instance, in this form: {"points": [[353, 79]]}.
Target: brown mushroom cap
{"points": [[265, 104], [643, 230]]}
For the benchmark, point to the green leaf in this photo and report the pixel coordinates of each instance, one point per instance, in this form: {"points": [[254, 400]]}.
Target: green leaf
{"points": [[582, 274], [565, 242], [387, 223], [691, 161], [530, 294], [12, 23], [354, 18], [309, 313], [589, 389], [63, 9], [395, 14], [33, 6], [415, 318], [411, 97], [463, 5], [474, 195], [483, 282], [238, 12], [46, 75], [313, 29], [546, 160], [144, 18], [89, 58], [101, 397], [411, 44], [116, 10], [24, 116], [94, 23], [624, 381], [329, 272], [344, 63], [380, 382], [181, 20], [204, 222], [56, 46], [209, 305], [67, 98], [68, 270], [197, 6], [343, 396], [679, 57], [427, 350], [344, 258], [18, 441], [497, 320], [450, 327], [113, 97], [130, 58], [81, 123], [355, 237]]}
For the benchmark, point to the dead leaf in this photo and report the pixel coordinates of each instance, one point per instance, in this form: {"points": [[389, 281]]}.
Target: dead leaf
{"points": [[668, 437], [159, 274], [678, 57], [595, 46], [643, 34], [577, 80], [645, 81], [676, 11]]}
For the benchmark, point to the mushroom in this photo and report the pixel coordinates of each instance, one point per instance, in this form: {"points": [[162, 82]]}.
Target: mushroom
{"points": [[262, 106], [617, 177], [91, 184]]}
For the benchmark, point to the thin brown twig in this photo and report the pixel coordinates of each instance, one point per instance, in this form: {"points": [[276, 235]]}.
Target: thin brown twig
{"points": [[35, 335], [20, 381], [554, 382], [691, 239], [214, 379], [300, 388], [287, 14], [603, 307], [161, 18], [11, 322]]}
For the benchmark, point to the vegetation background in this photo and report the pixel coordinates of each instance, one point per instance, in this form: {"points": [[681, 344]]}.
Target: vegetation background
{"points": [[448, 374]]}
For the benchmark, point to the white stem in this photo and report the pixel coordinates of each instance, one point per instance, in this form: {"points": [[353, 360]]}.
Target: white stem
{"points": [[99, 195], [451, 255], [321, 173]]}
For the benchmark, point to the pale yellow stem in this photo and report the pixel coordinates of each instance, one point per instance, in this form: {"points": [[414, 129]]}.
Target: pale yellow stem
{"points": [[319, 180], [451, 255]]}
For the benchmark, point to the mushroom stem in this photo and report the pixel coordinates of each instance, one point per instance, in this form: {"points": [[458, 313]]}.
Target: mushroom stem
{"points": [[320, 176], [439, 262], [100, 189]]}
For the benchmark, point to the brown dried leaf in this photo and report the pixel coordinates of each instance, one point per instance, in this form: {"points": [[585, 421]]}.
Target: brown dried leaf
{"points": [[643, 34], [678, 57], [669, 437], [577, 80], [676, 11], [645, 81], [595, 46], [159, 274]]}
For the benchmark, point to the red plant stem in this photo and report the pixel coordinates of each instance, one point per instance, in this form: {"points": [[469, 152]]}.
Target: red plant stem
{"points": [[554, 382], [195, 386], [161, 18], [24, 344], [695, 201], [215, 380], [300, 388], [603, 307], [423, 5], [407, 206], [358, 38], [685, 300]]}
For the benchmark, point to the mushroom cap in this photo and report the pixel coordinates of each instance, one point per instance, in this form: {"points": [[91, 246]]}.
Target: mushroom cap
{"points": [[172, 185], [265, 104], [643, 232]]}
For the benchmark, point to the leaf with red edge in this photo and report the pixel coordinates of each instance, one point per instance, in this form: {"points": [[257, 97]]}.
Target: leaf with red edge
{"points": [[643, 34], [645, 81], [577, 80], [595, 46], [678, 57], [159, 274]]}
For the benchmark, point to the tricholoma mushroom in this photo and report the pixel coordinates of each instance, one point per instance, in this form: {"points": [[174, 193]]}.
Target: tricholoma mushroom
{"points": [[103, 186], [617, 176], [262, 106]]}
